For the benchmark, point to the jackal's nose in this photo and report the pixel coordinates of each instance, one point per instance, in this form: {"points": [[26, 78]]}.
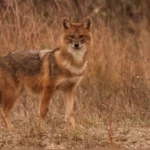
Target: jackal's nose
{"points": [[76, 45]]}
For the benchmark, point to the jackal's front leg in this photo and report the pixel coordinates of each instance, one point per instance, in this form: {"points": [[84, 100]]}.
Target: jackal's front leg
{"points": [[45, 100], [69, 103]]}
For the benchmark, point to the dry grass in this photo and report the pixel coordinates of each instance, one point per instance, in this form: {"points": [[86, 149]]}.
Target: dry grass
{"points": [[116, 86]]}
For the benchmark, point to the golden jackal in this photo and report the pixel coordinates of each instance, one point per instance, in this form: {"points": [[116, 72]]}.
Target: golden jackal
{"points": [[45, 71]]}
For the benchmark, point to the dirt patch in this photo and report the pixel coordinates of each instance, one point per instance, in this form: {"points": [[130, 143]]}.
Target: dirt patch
{"points": [[54, 136]]}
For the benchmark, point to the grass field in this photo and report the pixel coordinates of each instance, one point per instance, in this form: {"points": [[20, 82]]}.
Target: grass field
{"points": [[113, 101]]}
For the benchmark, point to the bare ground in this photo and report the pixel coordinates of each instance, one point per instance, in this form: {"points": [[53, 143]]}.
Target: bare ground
{"points": [[87, 135]]}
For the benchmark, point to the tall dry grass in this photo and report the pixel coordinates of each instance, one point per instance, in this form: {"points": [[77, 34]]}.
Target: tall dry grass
{"points": [[116, 85]]}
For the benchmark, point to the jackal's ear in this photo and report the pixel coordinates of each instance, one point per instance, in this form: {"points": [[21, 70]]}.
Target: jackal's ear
{"points": [[87, 23], [66, 23]]}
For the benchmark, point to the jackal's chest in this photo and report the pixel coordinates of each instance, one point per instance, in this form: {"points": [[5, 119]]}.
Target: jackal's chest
{"points": [[65, 83]]}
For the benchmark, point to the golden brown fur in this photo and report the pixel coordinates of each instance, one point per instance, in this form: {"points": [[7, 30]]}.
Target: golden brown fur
{"points": [[46, 71]]}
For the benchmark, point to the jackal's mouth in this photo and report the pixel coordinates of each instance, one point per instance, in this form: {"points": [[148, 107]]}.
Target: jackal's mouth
{"points": [[77, 48]]}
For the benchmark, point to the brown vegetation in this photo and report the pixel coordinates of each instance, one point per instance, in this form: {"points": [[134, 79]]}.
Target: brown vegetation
{"points": [[117, 83]]}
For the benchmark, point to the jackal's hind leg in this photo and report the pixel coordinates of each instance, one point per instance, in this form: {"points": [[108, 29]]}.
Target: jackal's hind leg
{"points": [[6, 120], [8, 102]]}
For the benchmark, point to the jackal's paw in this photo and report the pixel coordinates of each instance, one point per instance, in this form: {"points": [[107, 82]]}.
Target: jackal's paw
{"points": [[69, 124], [10, 128]]}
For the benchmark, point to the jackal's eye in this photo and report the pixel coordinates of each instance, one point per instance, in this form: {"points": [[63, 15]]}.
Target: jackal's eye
{"points": [[83, 40], [71, 36], [81, 36]]}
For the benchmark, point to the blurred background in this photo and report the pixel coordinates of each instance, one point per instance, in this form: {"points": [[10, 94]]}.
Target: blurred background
{"points": [[116, 86]]}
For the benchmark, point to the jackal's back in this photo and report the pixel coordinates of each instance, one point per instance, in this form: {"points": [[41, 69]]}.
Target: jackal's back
{"points": [[25, 62]]}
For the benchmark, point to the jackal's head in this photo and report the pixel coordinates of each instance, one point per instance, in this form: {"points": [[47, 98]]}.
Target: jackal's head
{"points": [[77, 36]]}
